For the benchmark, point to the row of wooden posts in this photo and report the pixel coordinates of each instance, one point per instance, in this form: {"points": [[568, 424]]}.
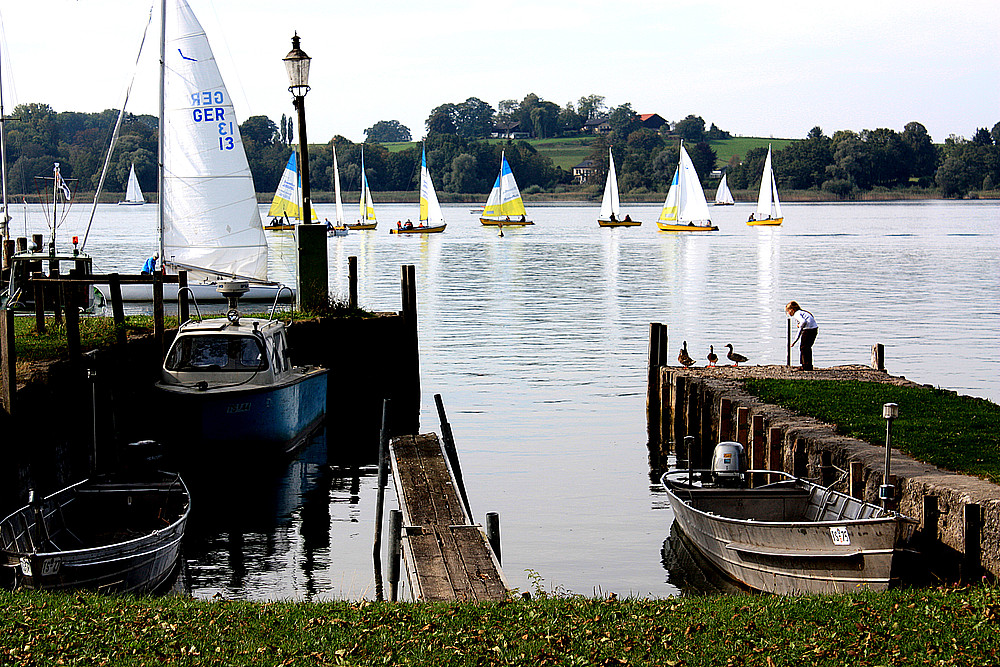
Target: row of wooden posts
{"points": [[71, 296], [684, 417]]}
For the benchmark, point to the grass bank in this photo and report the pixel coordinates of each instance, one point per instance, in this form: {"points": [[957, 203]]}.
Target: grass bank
{"points": [[907, 627], [940, 427]]}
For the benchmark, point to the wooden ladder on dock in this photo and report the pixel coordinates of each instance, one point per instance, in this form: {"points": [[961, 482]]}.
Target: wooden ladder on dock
{"points": [[446, 554]]}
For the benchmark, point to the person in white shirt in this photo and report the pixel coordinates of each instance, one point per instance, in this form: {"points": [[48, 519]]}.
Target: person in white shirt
{"points": [[807, 333]]}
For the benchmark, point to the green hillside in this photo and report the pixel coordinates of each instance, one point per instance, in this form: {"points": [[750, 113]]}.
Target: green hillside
{"points": [[726, 148]]}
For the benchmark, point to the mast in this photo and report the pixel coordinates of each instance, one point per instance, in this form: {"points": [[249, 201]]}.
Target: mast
{"points": [[160, 144]]}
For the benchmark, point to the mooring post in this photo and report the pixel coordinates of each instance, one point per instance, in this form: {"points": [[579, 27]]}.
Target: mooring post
{"points": [[878, 357], [800, 460], [395, 539], [8, 362], [352, 281], [856, 474], [707, 439], [758, 449], [972, 516], [57, 291], [493, 533], [72, 323], [677, 408], [653, 387], [383, 478], [725, 420], [743, 426], [452, 451], [39, 302], [183, 310], [691, 418], [158, 329], [775, 436], [664, 383], [826, 468], [788, 342], [117, 308]]}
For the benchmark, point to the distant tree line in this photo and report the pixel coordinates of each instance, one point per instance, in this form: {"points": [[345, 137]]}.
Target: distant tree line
{"points": [[843, 165]]}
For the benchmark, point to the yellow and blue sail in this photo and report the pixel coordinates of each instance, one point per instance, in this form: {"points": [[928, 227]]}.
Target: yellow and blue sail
{"points": [[287, 196], [505, 198], [366, 209]]}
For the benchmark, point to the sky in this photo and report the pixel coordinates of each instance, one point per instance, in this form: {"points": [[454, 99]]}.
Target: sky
{"points": [[769, 68]]}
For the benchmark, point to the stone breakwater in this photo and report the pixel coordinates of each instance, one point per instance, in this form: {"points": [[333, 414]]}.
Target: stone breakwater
{"points": [[959, 515]]}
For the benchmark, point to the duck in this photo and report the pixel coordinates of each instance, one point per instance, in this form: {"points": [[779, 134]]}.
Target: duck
{"points": [[734, 357], [684, 357], [713, 358]]}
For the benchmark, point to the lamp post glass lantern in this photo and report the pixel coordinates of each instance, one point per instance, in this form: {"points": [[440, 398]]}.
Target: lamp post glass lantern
{"points": [[312, 276]]}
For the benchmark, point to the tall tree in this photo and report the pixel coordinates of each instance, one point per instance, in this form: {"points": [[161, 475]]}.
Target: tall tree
{"points": [[591, 106], [623, 121], [691, 129], [387, 131]]}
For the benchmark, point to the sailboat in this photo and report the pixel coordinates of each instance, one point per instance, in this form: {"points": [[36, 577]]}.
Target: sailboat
{"points": [[611, 215], [366, 208], [285, 209], [724, 196], [209, 224], [431, 218], [133, 195], [504, 206], [339, 229], [685, 209], [768, 207]]}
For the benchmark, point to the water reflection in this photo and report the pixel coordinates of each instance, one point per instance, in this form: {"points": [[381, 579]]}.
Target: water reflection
{"points": [[285, 530]]}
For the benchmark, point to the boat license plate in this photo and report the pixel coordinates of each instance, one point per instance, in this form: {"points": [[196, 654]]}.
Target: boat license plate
{"points": [[840, 536]]}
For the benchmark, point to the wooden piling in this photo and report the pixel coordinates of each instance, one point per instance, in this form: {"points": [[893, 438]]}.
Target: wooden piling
{"points": [[493, 533], [775, 436], [448, 439], [826, 469], [972, 516], [708, 439], [70, 292], [183, 309], [758, 449], [678, 390], [743, 426], [383, 478], [878, 357], [653, 388], [57, 297], [8, 362], [692, 419], [352, 281], [725, 420], [800, 459], [39, 290], [665, 387], [159, 333], [117, 309], [395, 539], [857, 480]]}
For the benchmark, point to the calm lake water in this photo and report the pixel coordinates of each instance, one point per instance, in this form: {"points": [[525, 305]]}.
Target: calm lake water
{"points": [[537, 343]]}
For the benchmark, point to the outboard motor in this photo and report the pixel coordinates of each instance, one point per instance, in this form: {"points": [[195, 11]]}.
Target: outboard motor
{"points": [[729, 464]]}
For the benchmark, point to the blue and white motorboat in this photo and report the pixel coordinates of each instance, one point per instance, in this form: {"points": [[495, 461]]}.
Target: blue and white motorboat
{"points": [[230, 385]]}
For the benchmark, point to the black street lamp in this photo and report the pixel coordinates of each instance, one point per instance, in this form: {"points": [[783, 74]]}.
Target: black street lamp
{"points": [[312, 277], [297, 66]]}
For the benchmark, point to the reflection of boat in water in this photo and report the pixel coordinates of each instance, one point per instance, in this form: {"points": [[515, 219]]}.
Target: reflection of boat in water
{"points": [[108, 533], [789, 536], [232, 384], [685, 209], [691, 572]]}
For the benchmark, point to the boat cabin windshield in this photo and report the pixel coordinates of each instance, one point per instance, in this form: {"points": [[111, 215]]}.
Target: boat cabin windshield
{"points": [[217, 353]]}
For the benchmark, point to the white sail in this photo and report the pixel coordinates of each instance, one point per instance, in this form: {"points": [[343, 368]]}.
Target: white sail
{"points": [[723, 195], [430, 209], [336, 191], [685, 201], [366, 209], [209, 220], [505, 198], [133, 195], [610, 204], [768, 206]]}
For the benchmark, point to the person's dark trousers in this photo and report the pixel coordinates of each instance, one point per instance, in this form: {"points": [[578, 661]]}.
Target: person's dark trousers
{"points": [[806, 348]]}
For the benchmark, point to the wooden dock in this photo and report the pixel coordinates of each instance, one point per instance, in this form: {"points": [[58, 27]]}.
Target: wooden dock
{"points": [[447, 555]]}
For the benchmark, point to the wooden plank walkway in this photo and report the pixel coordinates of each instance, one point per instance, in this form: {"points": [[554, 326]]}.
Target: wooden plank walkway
{"points": [[447, 556]]}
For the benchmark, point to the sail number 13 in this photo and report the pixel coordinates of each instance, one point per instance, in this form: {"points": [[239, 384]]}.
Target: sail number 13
{"points": [[206, 111]]}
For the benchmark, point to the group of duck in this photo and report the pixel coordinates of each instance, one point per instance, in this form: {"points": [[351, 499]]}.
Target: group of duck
{"points": [[685, 359]]}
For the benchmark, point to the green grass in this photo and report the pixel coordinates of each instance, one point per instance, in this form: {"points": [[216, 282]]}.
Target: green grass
{"points": [[957, 433], [907, 627], [739, 146], [94, 332]]}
